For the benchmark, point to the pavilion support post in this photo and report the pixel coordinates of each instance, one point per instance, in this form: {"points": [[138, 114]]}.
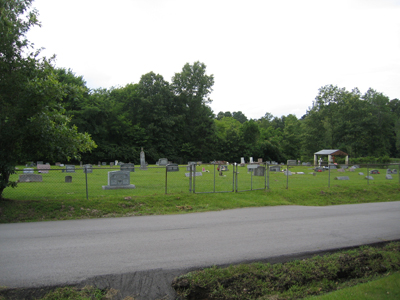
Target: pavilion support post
{"points": [[315, 159]]}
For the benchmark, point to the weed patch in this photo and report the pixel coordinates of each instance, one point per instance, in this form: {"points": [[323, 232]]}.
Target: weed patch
{"points": [[292, 280]]}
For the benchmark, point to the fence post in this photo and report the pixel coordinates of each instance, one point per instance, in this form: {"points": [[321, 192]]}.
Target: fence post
{"points": [[166, 176], [233, 176], [190, 178], [368, 174], [267, 177], [329, 175], [236, 180], [214, 177], [87, 192], [194, 178], [287, 177], [398, 172]]}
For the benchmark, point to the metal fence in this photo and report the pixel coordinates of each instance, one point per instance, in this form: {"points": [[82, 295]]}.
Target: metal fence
{"points": [[80, 182]]}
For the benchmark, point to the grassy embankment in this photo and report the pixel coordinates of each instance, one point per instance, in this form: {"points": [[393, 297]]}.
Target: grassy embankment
{"points": [[53, 199]]}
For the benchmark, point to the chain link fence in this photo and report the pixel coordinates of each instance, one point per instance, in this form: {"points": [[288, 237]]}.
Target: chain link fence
{"points": [[100, 182]]}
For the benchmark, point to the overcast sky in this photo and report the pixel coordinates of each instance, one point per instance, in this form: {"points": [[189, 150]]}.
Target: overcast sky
{"points": [[266, 56]]}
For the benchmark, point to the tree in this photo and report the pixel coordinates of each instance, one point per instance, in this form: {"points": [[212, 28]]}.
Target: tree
{"points": [[192, 88], [238, 115], [32, 121]]}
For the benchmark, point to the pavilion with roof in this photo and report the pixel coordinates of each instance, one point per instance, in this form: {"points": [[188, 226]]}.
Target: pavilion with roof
{"points": [[330, 153]]}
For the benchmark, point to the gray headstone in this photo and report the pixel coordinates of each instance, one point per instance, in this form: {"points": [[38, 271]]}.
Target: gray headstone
{"points": [[69, 168], [242, 160], [287, 173], [87, 168], [68, 179], [172, 168], [195, 174], [319, 169], [340, 170], [388, 176], [80, 163], [119, 180], [40, 162], [104, 163], [275, 168], [300, 173], [128, 167], [361, 173], [162, 162], [369, 177], [28, 171], [250, 168], [342, 178], [30, 178], [112, 164], [291, 162], [374, 172], [143, 164], [259, 171]]}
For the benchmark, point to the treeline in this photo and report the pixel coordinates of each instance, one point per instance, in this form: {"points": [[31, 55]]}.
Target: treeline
{"points": [[174, 120]]}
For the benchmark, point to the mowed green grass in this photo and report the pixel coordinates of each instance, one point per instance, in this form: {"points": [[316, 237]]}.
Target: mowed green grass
{"points": [[158, 192]]}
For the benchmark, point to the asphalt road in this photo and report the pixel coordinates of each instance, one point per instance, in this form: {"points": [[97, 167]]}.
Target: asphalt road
{"points": [[51, 253]]}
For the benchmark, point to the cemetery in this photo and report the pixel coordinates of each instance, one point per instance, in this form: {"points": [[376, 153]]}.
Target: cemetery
{"points": [[66, 181]]}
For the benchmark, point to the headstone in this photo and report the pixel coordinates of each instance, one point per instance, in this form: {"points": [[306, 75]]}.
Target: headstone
{"points": [[251, 160], [120, 163], [344, 166], [61, 165], [242, 160], [356, 166], [116, 163], [287, 173], [388, 176], [118, 180], [374, 172], [300, 173], [143, 164], [68, 179], [172, 168], [30, 164], [340, 170], [39, 162], [319, 169], [57, 164], [194, 174], [104, 163], [129, 167], [81, 164], [250, 168], [390, 171], [291, 162], [259, 171], [342, 178], [260, 160], [361, 173], [369, 177], [99, 164], [30, 178], [163, 162], [332, 167], [111, 164], [274, 163], [43, 168], [275, 168], [87, 168], [352, 169], [28, 171], [70, 169]]}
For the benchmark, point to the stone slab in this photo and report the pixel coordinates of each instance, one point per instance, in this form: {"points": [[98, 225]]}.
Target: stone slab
{"points": [[196, 174], [342, 178], [30, 178]]}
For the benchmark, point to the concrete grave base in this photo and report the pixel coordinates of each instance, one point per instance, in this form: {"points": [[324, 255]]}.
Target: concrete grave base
{"points": [[116, 187]]}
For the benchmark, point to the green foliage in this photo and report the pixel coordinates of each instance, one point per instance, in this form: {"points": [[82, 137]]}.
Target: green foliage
{"points": [[291, 280]]}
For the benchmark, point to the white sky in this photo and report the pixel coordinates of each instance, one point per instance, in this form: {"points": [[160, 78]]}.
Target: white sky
{"points": [[266, 56]]}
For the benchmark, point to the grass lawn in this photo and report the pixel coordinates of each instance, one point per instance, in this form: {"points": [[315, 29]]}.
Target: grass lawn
{"points": [[54, 199]]}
